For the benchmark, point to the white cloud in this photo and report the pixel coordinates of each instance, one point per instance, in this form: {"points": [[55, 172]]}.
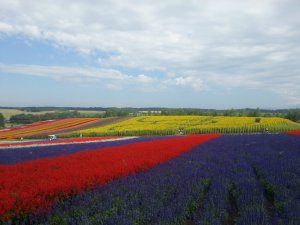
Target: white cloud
{"points": [[198, 44], [114, 87], [144, 79], [116, 79], [63, 72], [196, 83], [5, 27]]}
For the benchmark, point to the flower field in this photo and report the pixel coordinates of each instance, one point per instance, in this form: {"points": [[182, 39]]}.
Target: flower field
{"points": [[169, 125], [44, 126], [28, 186], [197, 179]]}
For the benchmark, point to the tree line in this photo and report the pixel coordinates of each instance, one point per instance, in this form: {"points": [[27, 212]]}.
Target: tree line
{"points": [[31, 118], [2, 120], [292, 114]]}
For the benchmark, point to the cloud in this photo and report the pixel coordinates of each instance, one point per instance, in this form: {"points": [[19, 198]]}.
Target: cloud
{"points": [[62, 72], [194, 82], [6, 28], [83, 75], [115, 80], [144, 79], [202, 44]]}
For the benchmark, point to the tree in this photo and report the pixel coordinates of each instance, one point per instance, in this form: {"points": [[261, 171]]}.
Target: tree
{"points": [[255, 113], [31, 118], [1, 120], [230, 112], [112, 112], [293, 115]]}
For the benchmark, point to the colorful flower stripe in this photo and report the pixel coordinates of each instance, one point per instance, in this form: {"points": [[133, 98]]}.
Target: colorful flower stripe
{"points": [[54, 142], [55, 125], [27, 125], [27, 130], [294, 132], [52, 125], [36, 125], [31, 185], [11, 156], [49, 126]]}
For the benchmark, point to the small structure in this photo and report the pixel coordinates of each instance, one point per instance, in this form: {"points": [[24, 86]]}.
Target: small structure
{"points": [[52, 137]]}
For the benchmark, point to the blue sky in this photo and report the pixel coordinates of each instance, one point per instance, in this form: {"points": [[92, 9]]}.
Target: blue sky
{"points": [[206, 54]]}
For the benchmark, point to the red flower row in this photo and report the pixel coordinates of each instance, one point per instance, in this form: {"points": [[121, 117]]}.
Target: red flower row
{"points": [[294, 132], [35, 184]]}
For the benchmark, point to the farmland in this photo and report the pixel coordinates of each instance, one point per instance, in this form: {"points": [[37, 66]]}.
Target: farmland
{"points": [[150, 112], [44, 127], [7, 113], [169, 125], [197, 179], [202, 176]]}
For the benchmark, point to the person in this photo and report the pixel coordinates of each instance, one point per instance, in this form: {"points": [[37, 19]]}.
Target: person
{"points": [[180, 131], [80, 135], [21, 139]]}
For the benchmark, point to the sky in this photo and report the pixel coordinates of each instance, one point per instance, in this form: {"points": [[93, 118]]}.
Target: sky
{"points": [[128, 53]]}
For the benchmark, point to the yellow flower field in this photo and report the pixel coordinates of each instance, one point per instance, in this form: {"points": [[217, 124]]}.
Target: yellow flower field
{"points": [[164, 125]]}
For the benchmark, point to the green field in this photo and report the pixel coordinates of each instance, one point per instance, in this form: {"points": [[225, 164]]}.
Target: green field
{"points": [[90, 113], [7, 113], [170, 125]]}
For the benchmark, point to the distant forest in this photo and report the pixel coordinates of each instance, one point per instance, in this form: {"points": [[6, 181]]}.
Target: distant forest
{"points": [[71, 112]]}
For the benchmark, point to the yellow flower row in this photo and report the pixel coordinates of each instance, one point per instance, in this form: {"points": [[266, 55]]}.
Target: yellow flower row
{"points": [[192, 124]]}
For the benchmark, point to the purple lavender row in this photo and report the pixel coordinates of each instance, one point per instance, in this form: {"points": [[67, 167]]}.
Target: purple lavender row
{"points": [[214, 209], [249, 199], [235, 196], [16, 155], [270, 197], [280, 175]]}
